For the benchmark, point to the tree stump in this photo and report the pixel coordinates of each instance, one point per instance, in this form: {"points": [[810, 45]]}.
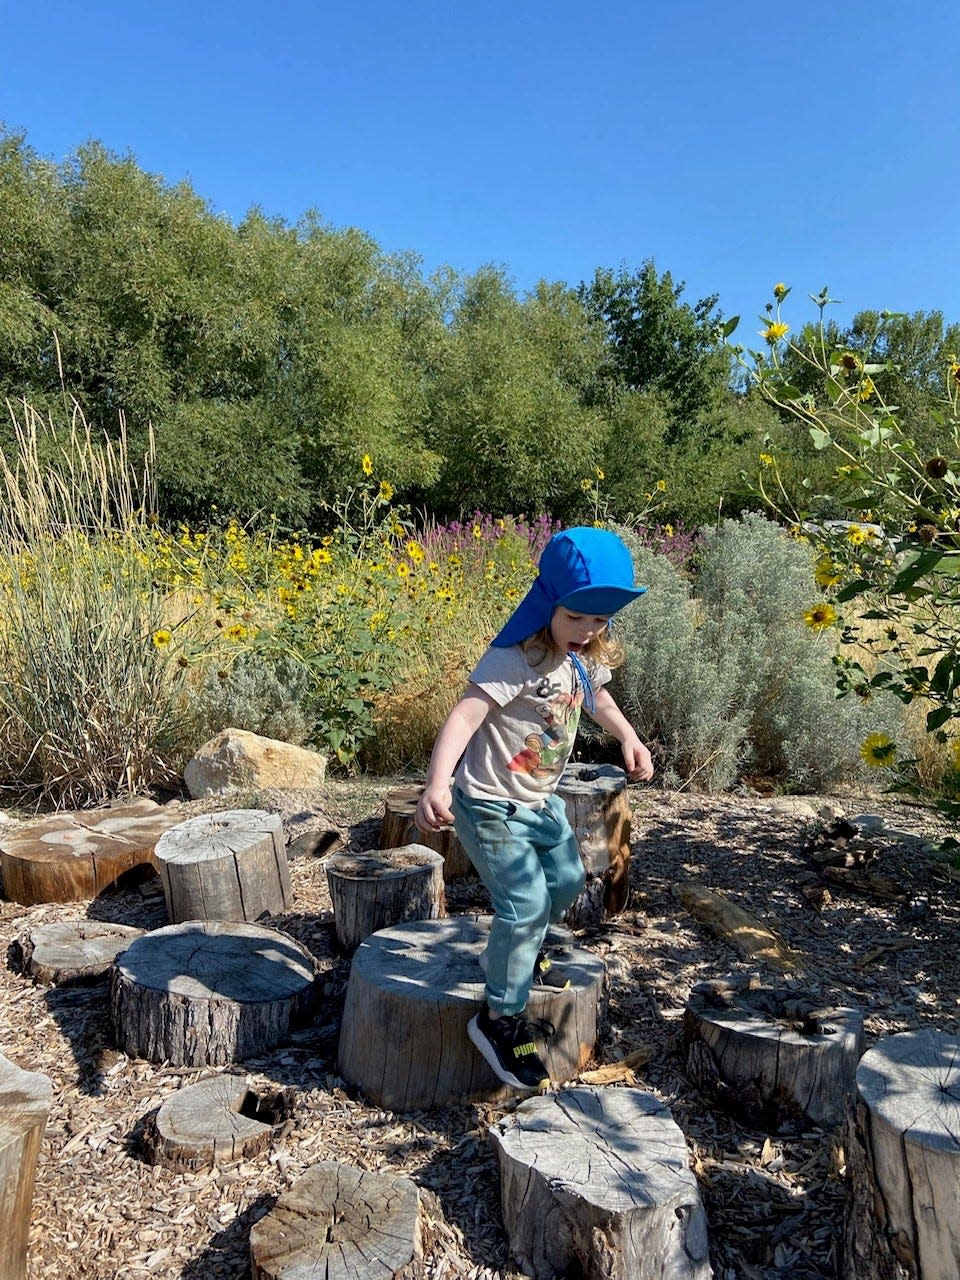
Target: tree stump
{"points": [[598, 810], [371, 891], [772, 1054], [208, 994], [72, 856], [73, 950], [398, 829], [412, 990], [596, 1183], [24, 1104], [338, 1222], [225, 866], [904, 1158], [219, 1119]]}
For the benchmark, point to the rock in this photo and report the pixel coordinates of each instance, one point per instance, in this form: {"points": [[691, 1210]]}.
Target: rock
{"points": [[238, 760]]}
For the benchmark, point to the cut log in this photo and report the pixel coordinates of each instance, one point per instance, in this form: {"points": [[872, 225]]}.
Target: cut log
{"points": [[73, 856], [215, 1120], [24, 1104], [371, 891], [595, 797], [904, 1157], [338, 1222], [412, 990], [73, 950], [772, 1054], [596, 1183], [736, 927], [225, 866], [208, 994], [398, 829]]}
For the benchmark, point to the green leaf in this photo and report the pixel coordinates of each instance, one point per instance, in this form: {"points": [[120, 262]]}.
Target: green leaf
{"points": [[731, 324], [938, 717], [833, 389], [853, 589], [821, 439]]}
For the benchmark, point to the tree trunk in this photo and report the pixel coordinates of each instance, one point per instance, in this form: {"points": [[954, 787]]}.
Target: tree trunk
{"points": [[225, 866], [596, 1183], [215, 1120], [398, 829], [771, 1054], [371, 891], [208, 994], [598, 809], [73, 950], [338, 1222], [24, 1105], [413, 989], [904, 1154]]}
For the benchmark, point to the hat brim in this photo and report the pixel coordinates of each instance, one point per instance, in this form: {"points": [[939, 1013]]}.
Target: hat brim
{"points": [[600, 601], [535, 610]]}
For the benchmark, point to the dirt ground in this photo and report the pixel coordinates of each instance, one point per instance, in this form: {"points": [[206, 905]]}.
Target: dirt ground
{"points": [[774, 1203]]}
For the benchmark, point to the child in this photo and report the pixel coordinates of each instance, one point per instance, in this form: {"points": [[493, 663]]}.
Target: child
{"points": [[514, 729]]}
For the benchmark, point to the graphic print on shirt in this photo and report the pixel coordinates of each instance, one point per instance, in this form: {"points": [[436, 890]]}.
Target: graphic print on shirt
{"points": [[545, 753]]}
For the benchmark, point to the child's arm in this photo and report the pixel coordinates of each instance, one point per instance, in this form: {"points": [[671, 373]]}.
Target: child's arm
{"points": [[636, 757], [433, 810]]}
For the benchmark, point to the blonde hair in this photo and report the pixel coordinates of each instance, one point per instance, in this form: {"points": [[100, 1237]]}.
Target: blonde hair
{"points": [[604, 648]]}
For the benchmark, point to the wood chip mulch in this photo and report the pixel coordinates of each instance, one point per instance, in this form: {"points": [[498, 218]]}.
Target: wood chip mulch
{"points": [[775, 1204]]}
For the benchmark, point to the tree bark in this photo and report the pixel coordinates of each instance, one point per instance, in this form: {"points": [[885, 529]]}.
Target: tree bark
{"points": [[215, 1120], [398, 829], [371, 891], [598, 810], [24, 1104], [731, 924]]}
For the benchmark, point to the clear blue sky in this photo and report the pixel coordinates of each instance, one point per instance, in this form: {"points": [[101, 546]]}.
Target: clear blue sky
{"points": [[735, 144]]}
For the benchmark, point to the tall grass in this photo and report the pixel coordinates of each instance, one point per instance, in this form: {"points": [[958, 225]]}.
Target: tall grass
{"points": [[88, 699]]}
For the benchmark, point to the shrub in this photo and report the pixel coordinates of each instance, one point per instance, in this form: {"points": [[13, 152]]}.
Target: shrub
{"points": [[258, 692]]}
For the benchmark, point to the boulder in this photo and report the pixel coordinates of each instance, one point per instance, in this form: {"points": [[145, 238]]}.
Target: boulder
{"points": [[238, 760]]}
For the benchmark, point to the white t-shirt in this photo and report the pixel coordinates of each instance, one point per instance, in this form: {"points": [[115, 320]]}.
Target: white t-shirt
{"points": [[520, 750]]}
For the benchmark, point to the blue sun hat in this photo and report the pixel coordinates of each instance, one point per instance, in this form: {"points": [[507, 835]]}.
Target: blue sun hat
{"points": [[584, 569]]}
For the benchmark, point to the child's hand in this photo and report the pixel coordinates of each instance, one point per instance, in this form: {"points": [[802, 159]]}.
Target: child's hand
{"points": [[636, 759], [433, 809]]}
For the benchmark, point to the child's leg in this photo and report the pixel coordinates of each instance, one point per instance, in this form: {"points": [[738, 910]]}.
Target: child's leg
{"points": [[498, 837], [560, 858]]}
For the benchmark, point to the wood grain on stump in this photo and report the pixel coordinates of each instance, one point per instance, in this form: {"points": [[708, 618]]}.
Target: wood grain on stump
{"points": [[596, 1183], [215, 1120], [904, 1158], [73, 950], [774, 1054], [370, 891], [225, 866], [24, 1103], [208, 993], [73, 856], [412, 990], [598, 810], [398, 829], [338, 1222]]}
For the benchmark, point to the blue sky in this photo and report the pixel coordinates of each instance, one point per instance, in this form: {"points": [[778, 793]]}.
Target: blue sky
{"points": [[736, 145]]}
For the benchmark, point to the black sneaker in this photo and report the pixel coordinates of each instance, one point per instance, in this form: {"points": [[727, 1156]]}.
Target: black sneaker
{"points": [[507, 1044], [545, 975]]}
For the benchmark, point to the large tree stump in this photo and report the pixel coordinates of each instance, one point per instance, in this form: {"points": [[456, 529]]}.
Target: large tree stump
{"points": [[225, 866], [24, 1104], [398, 829], [222, 1118], [904, 1159], [73, 950], [208, 994], [72, 856], [338, 1222], [772, 1054], [371, 891], [412, 990], [598, 810], [596, 1183]]}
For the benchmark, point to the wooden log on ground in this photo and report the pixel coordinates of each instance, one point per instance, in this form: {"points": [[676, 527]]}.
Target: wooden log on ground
{"points": [[772, 1054], [731, 924], [598, 809], [24, 1104], [225, 866], [372, 891], [412, 990], [338, 1222], [73, 950], [205, 993], [219, 1119], [398, 829], [596, 1183], [903, 1154], [73, 856]]}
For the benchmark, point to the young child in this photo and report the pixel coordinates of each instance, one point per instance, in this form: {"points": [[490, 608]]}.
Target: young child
{"points": [[512, 733]]}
